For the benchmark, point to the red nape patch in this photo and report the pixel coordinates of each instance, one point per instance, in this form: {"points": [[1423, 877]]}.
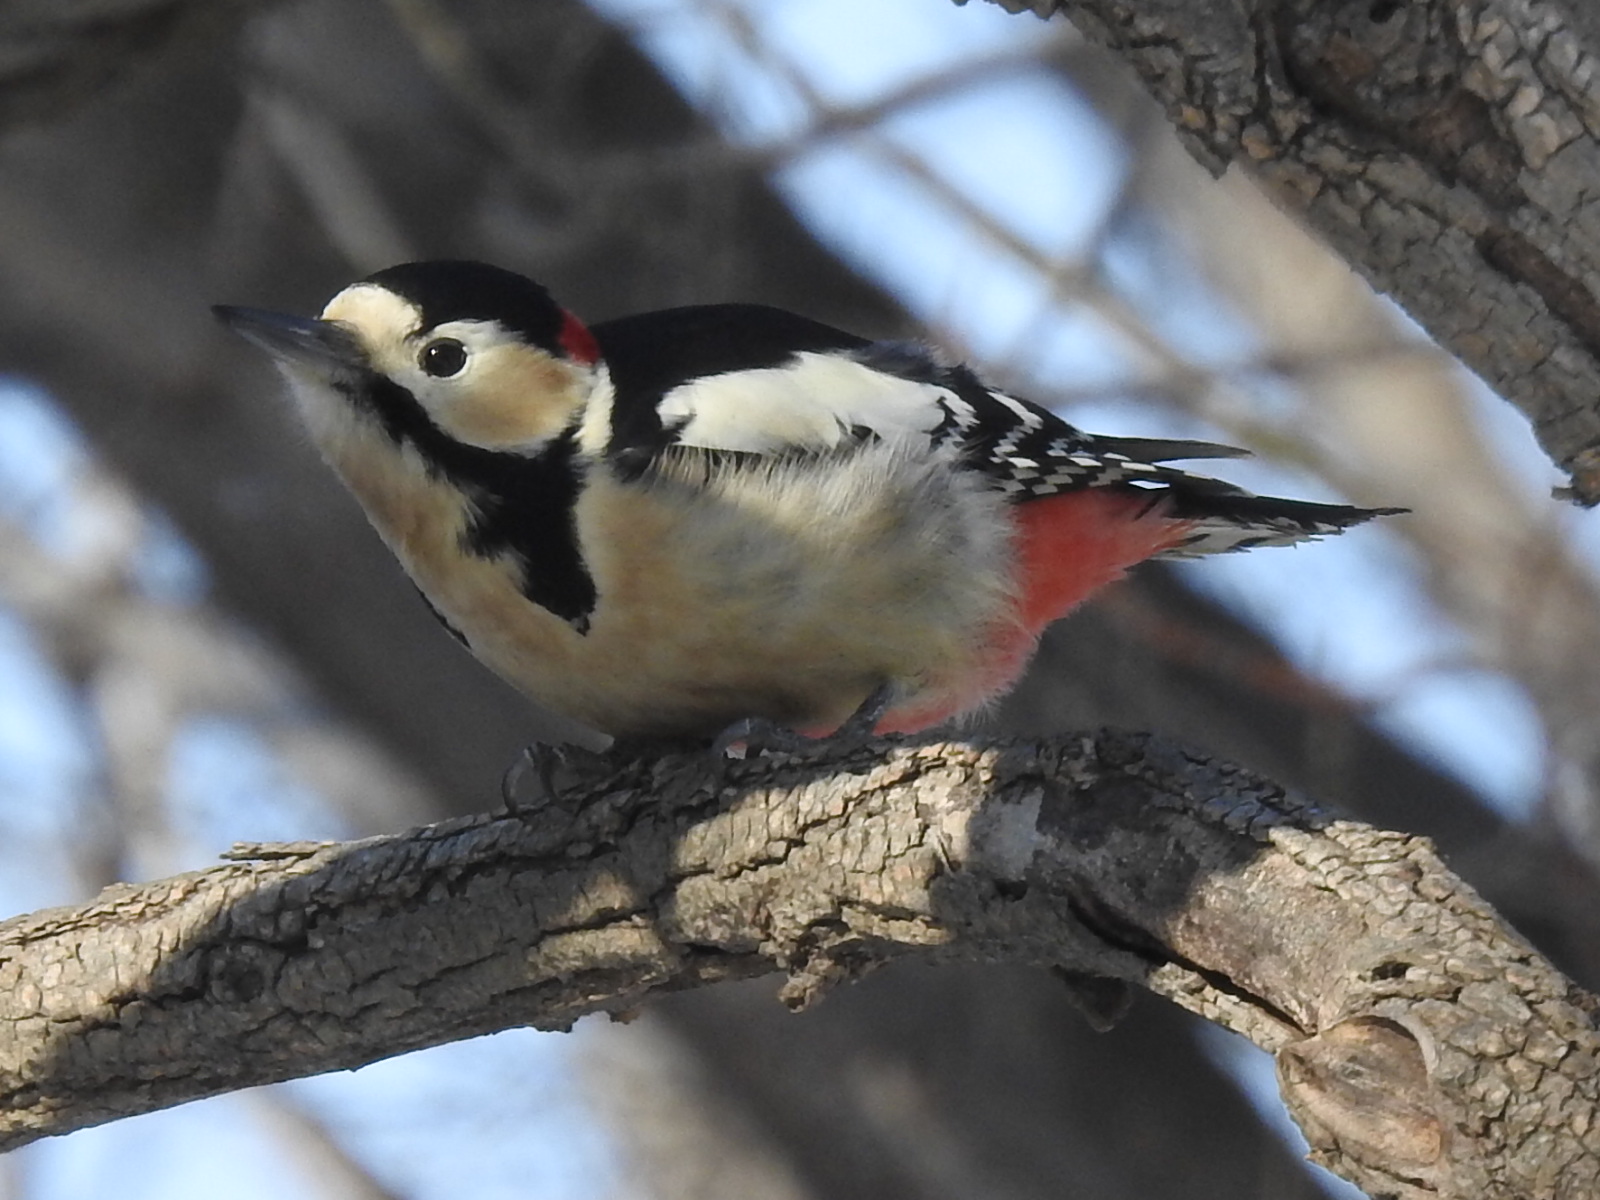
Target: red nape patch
{"points": [[577, 341]]}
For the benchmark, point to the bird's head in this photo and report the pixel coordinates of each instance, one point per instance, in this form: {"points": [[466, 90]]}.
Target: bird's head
{"points": [[472, 352]]}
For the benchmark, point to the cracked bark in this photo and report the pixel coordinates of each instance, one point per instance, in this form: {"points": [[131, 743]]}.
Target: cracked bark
{"points": [[1449, 151], [1425, 1048]]}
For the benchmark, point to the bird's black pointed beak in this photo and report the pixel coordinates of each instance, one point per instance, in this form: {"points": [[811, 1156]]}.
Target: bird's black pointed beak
{"points": [[291, 339]]}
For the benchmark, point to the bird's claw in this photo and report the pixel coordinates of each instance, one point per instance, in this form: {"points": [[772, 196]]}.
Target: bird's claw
{"points": [[863, 723], [759, 735], [543, 762]]}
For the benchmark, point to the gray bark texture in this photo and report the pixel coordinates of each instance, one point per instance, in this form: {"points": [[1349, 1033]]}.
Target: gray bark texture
{"points": [[1425, 1048], [1449, 151]]}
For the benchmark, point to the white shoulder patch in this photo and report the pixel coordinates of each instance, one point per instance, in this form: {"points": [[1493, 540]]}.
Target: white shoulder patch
{"points": [[815, 402]]}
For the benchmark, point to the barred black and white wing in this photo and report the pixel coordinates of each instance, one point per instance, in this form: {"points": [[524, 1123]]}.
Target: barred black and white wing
{"points": [[1031, 453], [745, 380]]}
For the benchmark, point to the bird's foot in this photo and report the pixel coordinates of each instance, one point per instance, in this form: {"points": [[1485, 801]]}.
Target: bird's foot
{"points": [[863, 723], [758, 735], [549, 766]]}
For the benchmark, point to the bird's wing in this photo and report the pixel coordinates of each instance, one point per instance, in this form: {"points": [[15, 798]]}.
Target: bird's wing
{"points": [[745, 382], [748, 382], [747, 379]]}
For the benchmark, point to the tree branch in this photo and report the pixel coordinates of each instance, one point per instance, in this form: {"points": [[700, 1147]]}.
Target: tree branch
{"points": [[1449, 152], [54, 59], [1425, 1049]]}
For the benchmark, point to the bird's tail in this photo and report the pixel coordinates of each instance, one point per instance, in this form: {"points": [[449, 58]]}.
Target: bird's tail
{"points": [[1234, 519], [1227, 517]]}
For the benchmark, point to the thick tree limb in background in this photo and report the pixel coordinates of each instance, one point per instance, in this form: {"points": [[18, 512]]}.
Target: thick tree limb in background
{"points": [[949, 1081], [1450, 152], [53, 59], [1425, 1049]]}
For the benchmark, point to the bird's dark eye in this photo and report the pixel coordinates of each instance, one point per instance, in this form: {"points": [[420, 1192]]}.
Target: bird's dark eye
{"points": [[443, 358]]}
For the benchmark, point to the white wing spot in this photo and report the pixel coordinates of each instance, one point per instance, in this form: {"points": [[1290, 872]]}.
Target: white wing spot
{"points": [[815, 401]]}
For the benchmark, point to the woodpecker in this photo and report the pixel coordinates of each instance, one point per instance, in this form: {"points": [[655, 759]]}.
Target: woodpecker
{"points": [[670, 523]]}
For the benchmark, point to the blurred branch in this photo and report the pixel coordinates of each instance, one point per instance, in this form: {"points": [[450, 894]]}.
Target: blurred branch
{"points": [[548, 168], [314, 1149], [55, 57], [828, 121], [684, 1138], [348, 206], [1425, 1049], [147, 665], [1447, 151]]}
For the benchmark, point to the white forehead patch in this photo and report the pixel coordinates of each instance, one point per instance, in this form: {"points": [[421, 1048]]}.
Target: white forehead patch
{"points": [[383, 321], [390, 330], [373, 309]]}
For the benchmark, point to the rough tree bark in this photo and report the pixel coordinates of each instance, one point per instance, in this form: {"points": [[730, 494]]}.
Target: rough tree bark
{"points": [[1448, 150], [1425, 1048]]}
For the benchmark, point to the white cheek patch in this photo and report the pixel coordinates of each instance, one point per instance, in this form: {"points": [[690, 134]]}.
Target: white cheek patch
{"points": [[816, 401], [509, 396]]}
